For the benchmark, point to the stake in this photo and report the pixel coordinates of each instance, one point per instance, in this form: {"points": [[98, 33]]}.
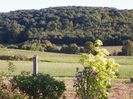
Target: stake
{"points": [[35, 65]]}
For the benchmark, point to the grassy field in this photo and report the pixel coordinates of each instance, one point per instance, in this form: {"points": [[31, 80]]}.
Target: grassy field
{"points": [[57, 64]]}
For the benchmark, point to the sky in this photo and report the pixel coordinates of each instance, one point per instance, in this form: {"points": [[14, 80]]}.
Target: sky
{"points": [[11, 5]]}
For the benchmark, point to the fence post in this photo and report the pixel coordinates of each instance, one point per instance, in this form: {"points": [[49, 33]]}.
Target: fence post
{"points": [[35, 65]]}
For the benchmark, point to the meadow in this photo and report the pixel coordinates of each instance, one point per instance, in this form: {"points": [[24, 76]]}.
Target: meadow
{"points": [[58, 64]]}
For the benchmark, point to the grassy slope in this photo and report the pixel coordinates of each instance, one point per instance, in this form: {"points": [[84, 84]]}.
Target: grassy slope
{"points": [[60, 64]]}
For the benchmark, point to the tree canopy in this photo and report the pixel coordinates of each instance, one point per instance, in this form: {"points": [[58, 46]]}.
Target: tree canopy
{"points": [[66, 25]]}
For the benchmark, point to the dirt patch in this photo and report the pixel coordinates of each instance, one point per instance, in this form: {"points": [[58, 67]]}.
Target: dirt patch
{"points": [[121, 89]]}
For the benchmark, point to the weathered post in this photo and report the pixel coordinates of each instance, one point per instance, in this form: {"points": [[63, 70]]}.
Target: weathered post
{"points": [[35, 65], [35, 72]]}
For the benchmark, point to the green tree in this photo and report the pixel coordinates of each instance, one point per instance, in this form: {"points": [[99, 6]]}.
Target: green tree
{"points": [[127, 48], [88, 47], [73, 48]]}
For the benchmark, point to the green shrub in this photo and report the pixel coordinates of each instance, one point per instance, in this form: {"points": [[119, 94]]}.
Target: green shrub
{"points": [[127, 48], [17, 57], [94, 81], [71, 49], [40, 86], [64, 49], [20, 57], [2, 46], [82, 50], [88, 47], [12, 46], [11, 93], [7, 89]]}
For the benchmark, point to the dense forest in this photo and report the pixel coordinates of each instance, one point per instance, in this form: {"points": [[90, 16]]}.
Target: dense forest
{"points": [[66, 25]]}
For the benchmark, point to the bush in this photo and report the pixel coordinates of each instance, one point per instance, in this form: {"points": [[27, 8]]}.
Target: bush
{"points": [[2, 46], [20, 57], [88, 47], [34, 45], [64, 49], [39, 86], [71, 49], [82, 50], [7, 90], [12, 46], [52, 48], [127, 48], [11, 93], [37, 45], [17, 57], [94, 81]]}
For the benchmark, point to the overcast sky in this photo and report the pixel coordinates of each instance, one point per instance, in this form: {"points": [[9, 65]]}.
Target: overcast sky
{"points": [[11, 5]]}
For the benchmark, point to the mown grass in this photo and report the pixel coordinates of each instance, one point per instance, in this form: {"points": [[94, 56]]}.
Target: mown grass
{"points": [[59, 69], [57, 64], [43, 56], [125, 71], [54, 69]]}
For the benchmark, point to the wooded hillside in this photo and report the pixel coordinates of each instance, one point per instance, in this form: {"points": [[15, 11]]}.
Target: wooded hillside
{"points": [[65, 25]]}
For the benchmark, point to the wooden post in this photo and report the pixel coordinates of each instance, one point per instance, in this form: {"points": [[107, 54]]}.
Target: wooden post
{"points": [[35, 65]]}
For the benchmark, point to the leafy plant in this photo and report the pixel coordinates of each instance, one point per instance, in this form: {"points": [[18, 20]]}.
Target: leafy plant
{"points": [[17, 57], [11, 67], [7, 89], [39, 86], [127, 48], [94, 80]]}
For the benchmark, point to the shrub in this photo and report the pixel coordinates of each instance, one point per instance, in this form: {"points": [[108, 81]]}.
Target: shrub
{"points": [[52, 48], [17, 57], [37, 45], [82, 50], [20, 57], [64, 49], [127, 48], [39, 86], [12, 46], [71, 49], [94, 80], [7, 90], [88, 47], [11, 93], [2, 46]]}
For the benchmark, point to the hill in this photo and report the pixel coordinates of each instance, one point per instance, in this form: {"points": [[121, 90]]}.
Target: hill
{"points": [[65, 25]]}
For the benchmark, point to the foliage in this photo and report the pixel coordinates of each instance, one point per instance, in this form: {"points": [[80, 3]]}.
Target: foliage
{"points": [[34, 45], [39, 86], [94, 80], [17, 57], [2, 46], [127, 48], [64, 49], [71, 49], [66, 25], [88, 47], [7, 89], [11, 67], [11, 93], [39, 45], [12, 46]]}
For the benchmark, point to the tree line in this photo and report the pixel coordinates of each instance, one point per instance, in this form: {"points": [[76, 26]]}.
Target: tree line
{"points": [[66, 25]]}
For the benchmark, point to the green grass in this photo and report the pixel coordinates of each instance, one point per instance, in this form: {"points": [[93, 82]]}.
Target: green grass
{"points": [[123, 60], [125, 71], [43, 56], [54, 69], [57, 64], [62, 59]]}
